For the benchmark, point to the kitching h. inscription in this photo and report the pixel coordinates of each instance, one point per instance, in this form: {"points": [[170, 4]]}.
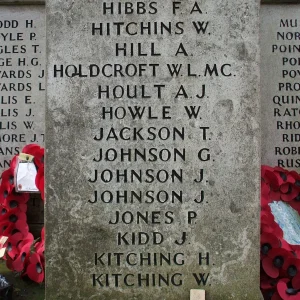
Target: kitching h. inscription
{"points": [[144, 260], [161, 86]]}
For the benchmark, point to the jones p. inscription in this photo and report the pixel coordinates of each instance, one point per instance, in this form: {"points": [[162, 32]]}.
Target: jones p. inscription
{"points": [[149, 103], [22, 87], [144, 152]]}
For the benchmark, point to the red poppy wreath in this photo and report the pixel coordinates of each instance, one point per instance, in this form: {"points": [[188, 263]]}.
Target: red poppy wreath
{"points": [[280, 261], [24, 255]]}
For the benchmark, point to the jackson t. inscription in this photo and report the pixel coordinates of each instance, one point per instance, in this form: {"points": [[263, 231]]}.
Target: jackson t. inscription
{"points": [[152, 149]]}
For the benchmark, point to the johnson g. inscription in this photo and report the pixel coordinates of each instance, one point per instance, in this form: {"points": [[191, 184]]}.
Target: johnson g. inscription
{"points": [[22, 87], [148, 105], [174, 193]]}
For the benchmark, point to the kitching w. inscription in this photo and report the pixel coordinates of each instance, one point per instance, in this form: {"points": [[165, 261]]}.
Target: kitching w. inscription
{"points": [[143, 184], [144, 260]]}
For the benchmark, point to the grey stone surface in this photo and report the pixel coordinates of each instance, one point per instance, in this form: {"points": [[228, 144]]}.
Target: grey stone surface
{"points": [[227, 220], [280, 86], [22, 84]]}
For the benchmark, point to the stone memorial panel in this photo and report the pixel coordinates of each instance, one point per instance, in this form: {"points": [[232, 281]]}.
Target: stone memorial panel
{"points": [[153, 145], [22, 79], [280, 85]]}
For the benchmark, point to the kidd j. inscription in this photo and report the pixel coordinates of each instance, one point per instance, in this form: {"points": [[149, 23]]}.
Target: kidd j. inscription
{"points": [[280, 47], [152, 149], [22, 87]]}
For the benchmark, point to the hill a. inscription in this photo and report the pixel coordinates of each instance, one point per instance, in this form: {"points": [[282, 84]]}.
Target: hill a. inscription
{"points": [[152, 121]]}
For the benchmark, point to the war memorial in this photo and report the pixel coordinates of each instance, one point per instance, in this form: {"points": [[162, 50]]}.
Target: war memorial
{"points": [[156, 117]]}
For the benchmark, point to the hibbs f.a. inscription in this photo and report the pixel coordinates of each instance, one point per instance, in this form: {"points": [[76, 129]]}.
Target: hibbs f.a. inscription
{"points": [[152, 120]]}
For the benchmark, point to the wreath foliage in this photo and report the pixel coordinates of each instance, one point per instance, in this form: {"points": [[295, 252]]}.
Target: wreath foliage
{"points": [[23, 254], [280, 261]]}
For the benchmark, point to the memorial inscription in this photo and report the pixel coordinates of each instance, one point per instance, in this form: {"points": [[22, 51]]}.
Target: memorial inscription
{"points": [[280, 38], [152, 122], [22, 86]]}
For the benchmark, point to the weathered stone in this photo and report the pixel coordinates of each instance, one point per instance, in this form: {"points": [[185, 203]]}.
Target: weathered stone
{"points": [[22, 86], [280, 85], [217, 219]]}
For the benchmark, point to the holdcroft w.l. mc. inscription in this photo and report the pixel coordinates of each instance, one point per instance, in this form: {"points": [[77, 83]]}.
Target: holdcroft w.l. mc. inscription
{"points": [[152, 122]]}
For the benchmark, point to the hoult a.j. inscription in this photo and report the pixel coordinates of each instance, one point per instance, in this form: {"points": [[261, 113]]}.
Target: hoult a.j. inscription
{"points": [[152, 122]]}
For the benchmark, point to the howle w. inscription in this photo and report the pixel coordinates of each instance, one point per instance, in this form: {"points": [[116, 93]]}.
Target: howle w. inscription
{"points": [[152, 139]]}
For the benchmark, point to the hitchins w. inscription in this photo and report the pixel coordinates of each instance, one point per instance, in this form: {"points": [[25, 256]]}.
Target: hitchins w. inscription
{"points": [[152, 121]]}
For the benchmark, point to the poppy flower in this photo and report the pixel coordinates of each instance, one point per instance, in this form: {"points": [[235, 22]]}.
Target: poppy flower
{"points": [[39, 158], [291, 266], [271, 294], [286, 292], [280, 263], [17, 200], [271, 178], [8, 180], [288, 192], [37, 152], [24, 253], [13, 163], [26, 239], [268, 241], [13, 221], [11, 228], [31, 149], [4, 192], [19, 263], [6, 229], [12, 244], [12, 216], [267, 283], [21, 226], [35, 269], [286, 176], [281, 184], [274, 261], [265, 170]]}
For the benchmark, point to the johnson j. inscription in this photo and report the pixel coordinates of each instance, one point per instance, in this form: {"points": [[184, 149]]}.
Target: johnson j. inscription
{"points": [[147, 124]]}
